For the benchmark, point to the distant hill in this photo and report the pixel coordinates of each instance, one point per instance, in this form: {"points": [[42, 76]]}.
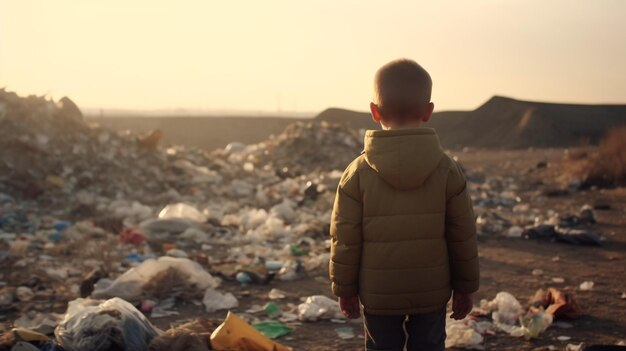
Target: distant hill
{"points": [[507, 123], [208, 133], [500, 122]]}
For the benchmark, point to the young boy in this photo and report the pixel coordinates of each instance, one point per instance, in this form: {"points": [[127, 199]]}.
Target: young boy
{"points": [[403, 230]]}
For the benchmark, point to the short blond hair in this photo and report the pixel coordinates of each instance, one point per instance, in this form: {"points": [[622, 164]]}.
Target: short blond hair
{"points": [[401, 84]]}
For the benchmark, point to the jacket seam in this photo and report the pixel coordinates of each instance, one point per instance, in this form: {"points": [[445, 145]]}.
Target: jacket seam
{"points": [[351, 244], [345, 285], [469, 211], [345, 219], [465, 259], [405, 269], [401, 240], [407, 214], [344, 264], [461, 241], [446, 287], [405, 309]]}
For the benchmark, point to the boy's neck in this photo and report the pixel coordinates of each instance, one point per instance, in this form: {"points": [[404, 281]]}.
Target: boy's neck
{"points": [[411, 125]]}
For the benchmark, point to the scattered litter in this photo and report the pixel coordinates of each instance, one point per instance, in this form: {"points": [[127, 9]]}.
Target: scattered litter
{"points": [[345, 333], [535, 322], [459, 334], [272, 330], [557, 303], [272, 310], [586, 286], [43, 323], [126, 217], [93, 325], [24, 294], [574, 347], [192, 336], [158, 278], [506, 311], [319, 307], [214, 300], [276, 294], [182, 211], [234, 334]]}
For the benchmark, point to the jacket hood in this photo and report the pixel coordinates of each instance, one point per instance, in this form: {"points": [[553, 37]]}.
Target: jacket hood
{"points": [[404, 158]]}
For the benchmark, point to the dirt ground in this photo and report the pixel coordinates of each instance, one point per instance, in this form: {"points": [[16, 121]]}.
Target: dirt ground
{"points": [[506, 265]]}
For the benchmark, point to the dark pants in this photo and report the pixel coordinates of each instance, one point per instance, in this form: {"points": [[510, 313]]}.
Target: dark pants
{"points": [[419, 332]]}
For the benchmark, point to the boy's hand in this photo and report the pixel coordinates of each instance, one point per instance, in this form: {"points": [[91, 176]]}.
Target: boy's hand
{"points": [[462, 305], [350, 307]]}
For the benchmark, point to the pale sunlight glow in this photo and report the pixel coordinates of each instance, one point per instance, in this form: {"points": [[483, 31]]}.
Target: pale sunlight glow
{"points": [[309, 55]]}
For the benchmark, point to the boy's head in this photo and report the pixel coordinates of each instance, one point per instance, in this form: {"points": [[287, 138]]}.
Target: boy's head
{"points": [[402, 90]]}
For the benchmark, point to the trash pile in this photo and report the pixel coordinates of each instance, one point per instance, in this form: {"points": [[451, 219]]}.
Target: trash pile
{"points": [[501, 211], [102, 233], [124, 227], [505, 314], [49, 154], [301, 149]]}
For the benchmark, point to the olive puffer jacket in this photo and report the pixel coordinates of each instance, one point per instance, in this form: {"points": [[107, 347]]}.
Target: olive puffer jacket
{"points": [[403, 233]]}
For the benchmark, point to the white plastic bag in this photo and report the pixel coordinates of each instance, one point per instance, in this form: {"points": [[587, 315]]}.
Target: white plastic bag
{"points": [[214, 300], [319, 307], [506, 312], [94, 325], [131, 285], [459, 334]]}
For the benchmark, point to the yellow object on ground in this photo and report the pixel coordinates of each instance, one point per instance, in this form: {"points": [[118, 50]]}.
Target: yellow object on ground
{"points": [[237, 335], [28, 335]]}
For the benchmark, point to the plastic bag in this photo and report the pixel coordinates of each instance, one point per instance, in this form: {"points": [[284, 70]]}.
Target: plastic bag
{"points": [[319, 307], [214, 300], [94, 325], [535, 323], [506, 312], [461, 335], [158, 277]]}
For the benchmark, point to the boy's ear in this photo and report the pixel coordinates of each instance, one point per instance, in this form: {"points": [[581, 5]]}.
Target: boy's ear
{"points": [[375, 112], [429, 112]]}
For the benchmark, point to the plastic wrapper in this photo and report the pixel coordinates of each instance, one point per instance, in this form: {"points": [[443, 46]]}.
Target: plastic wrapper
{"points": [[183, 211], [93, 325], [237, 335], [535, 323]]}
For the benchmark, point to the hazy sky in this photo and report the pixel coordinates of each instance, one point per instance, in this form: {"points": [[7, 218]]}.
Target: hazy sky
{"points": [[309, 55]]}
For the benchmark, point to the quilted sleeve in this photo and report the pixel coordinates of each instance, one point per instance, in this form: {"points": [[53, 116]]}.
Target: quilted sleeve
{"points": [[461, 234], [346, 237]]}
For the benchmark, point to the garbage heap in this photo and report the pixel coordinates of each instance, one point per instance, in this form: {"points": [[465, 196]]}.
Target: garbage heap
{"points": [[117, 218], [86, 212], [306, 147], [48, 153]]}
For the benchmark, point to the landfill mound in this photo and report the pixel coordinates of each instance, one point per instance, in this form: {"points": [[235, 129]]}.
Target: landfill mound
{"points": [[49, 153], [508, 123], [305, 147]]}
